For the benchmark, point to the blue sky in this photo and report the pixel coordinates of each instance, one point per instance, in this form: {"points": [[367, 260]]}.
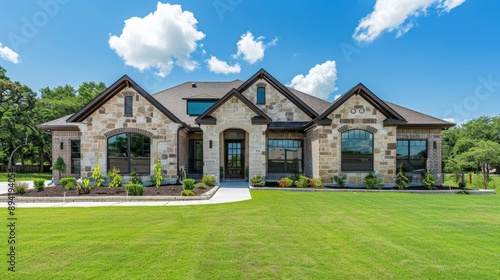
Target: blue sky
{"points": [[440, 57]]}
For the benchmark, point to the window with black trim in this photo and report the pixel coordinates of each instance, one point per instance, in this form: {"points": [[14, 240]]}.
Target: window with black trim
{"points": [[412, 155], [261, 95], [357, 150], [75, 157], [128, 105], [198, 107], [129, 151], [284, 156], [195, 162]]}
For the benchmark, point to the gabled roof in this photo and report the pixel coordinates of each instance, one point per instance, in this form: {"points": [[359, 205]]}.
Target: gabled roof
{"points": [[392, 116], [59, 124], [417, 119], [261, 117], [262, 74], [111, 91]]}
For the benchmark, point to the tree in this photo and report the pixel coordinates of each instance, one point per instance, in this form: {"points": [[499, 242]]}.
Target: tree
{"points": [[485, 154]]}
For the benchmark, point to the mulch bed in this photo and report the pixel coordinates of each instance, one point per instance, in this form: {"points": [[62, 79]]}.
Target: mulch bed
{"points": [[58, 191]]}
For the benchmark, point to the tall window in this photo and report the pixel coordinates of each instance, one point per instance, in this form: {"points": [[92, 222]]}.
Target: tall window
{"points": [[285, 156], [128, 105], [357, 150], [412, 154], [195, 163], [75, 157], [129, 151], [198, 107], [261, 95]]}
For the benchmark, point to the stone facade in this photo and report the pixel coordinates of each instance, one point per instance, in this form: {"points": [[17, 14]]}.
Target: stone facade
{"points": [[147, 120], [64, 137], [234, 114], [278, 107], [355, 113]]}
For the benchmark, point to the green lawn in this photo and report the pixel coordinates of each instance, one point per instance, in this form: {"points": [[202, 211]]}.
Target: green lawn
{"points": [[477, 181], [276, 235], [26, 176]]}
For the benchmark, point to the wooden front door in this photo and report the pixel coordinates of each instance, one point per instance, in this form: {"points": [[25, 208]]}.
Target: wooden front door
{"points": [[235, 161]]}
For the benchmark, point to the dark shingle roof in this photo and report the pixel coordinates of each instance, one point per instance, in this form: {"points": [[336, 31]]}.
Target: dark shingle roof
{"points": [[415, 118]]}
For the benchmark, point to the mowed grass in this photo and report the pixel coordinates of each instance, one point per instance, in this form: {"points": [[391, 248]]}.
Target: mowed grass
{"points": [[26, 176], [276, 235]]}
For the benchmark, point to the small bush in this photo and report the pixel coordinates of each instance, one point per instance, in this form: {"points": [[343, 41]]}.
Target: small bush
{"points": [[188, 184], [158, 175], [285, 182], [134, 178], [85, 186], [96, 175], [20, 187], [115, 178], [340, 179], [200, 185], [187, 193], [39, 185], [372, 181], [316, 183], [65, 181], [295, 177], [70, 186], [401, 180], [302, 182], [256, 180], [429, 181], [134, 189], [208, 179]]}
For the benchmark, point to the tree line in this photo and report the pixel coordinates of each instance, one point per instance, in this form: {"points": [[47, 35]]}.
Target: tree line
{"points": [[22, 109]]}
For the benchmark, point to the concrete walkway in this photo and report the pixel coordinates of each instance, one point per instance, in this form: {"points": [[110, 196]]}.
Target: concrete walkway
{"points": [[229, 191]]}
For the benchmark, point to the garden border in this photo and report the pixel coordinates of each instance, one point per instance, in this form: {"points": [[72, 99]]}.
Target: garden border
{"points": [[453, 191]]}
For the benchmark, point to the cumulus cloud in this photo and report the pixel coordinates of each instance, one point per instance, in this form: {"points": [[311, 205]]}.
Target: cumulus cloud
{"points": [[319, 82], [337, 96], [252, 49], [158, 39], [397, 15], [8, 54], [221, 67]]}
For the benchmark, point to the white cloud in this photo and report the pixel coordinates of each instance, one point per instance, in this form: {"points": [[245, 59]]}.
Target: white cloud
{"points": [[319, 82], [452, 120], [8, 54], [397, 15], [337, 96], [221, 67], [251, 49], [157, 40]]}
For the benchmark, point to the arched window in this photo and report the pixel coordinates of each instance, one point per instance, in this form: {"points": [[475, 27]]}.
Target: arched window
{"points": [[129, 151], [357, 150]]}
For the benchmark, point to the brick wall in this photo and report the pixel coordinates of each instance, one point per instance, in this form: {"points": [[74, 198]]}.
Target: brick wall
{"points": [[65, 137]]}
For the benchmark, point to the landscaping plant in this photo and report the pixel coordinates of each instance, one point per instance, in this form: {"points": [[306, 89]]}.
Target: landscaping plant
{"points": [[372, 181], [256, 180], [187, 193], [285, 182], [188, 184], [158, 175], [316, 183], [134, 178], [402, 180], [39, 185], [20, 187], [200, 185], [96, 176], [429, 181], [84, 187], [134, 189], [64, 181], [59, 165], [340, 179], [302, 182], [208, 179], [115, 178]]}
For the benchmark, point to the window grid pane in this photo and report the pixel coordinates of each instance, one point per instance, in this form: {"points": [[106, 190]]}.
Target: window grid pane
{"points": [[261, 95], [357, 150], [285, 156]]}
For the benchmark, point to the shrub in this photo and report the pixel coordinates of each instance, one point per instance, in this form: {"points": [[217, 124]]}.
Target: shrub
{"points": [[295, 177], [96, 176], [187, 193], [340, 179], [316, 183], [188, 184], [20, 187], [208, 179], [401, 180], [285, 182], [372, 181], [158, 176], [39, 185], [302, 182], [115, 177], [134, 178], [70, 186], [84, 187], [134, 189], [65, 181], [59, 165], [256, 180], [429, 181], [200, 185]]}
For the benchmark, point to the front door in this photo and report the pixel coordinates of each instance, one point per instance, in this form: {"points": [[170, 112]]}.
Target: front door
{"points": [[234, 159]]}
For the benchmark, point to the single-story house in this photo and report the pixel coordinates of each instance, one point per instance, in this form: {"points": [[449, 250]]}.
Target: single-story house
{"points": [[237, 129]]}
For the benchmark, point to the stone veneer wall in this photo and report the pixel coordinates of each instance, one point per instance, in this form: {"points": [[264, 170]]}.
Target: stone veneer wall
{"points": [[431, 135], [277, 107], [356, 113], [146, 119], [65, 137], [234, 114]]}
